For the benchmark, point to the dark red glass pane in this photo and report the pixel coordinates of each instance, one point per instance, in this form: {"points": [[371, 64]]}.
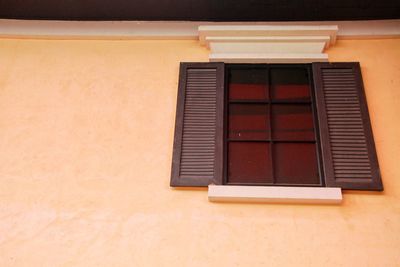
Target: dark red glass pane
{"points": [[290, 84], [295, 163], [248, 84], [248, 121], [249, 162], [292, 122]]}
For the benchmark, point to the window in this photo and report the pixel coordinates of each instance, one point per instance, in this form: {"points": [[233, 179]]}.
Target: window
{"points": [[260, 124], [271, 137]]}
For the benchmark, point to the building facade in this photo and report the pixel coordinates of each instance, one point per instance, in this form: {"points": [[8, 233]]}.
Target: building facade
{"points": [[87, 128]]}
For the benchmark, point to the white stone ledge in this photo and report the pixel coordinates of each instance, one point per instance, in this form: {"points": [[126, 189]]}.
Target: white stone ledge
{"points": [[273, 43], [267, 30], [268, 58], [274, 194], [266, 39], [267, 47]]}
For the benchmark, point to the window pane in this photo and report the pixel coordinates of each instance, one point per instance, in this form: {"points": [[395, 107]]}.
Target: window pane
{"points": [[292, 122], [290, 84], [249, 162], [248, 84], [248, 121], [295, 163]]}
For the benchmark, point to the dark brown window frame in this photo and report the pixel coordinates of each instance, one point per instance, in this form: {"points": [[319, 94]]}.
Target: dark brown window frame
{"points": [[349, 159], [317, 142]]}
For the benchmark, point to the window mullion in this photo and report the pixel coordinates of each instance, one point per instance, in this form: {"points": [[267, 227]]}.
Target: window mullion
{"points": [[270, 125]]}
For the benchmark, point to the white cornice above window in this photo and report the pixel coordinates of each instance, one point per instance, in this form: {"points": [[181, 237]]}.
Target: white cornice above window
{"points": [[267, 43]]}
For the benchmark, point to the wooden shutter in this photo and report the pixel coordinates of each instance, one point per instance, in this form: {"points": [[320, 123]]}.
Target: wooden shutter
{"points": [[198, 144], [348, 150]]}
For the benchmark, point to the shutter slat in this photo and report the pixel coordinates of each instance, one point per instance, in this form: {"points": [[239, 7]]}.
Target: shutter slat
{"points": [[197, 158], [352, 168], [348, 151], [341, 152]]}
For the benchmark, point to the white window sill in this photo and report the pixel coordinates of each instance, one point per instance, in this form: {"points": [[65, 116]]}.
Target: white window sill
{"points": [[274, 194]]}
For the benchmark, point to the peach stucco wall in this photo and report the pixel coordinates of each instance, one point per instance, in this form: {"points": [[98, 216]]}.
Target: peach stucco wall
{"points": [[86, 130]]}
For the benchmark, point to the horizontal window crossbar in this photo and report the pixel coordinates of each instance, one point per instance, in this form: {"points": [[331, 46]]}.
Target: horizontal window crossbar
{"points": [[271, 140], [250, 101], [276, 184]]}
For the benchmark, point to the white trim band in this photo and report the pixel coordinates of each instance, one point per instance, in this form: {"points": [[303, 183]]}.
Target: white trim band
{"points": [[172, 29], [274, 194], [289, 58]]}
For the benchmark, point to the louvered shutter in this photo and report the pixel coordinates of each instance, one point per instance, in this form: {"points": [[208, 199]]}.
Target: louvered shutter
{"points": [[348, 150], [198, 144]]}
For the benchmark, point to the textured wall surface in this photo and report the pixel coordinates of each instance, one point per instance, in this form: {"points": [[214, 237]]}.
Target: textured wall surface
{"points": [[86, 131]]}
